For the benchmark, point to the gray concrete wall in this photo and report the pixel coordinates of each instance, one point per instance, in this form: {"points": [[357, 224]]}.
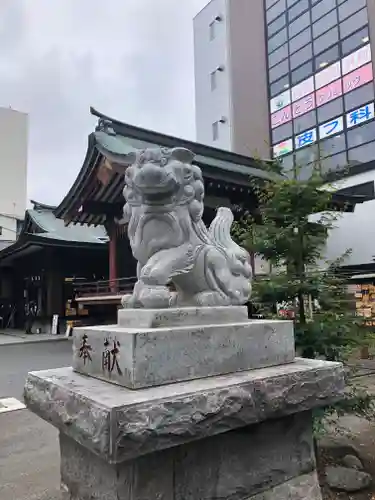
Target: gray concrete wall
{"points": [[247, 53]]}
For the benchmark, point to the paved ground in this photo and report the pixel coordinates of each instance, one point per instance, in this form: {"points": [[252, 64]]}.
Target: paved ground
{"points": [[8, 337], [29, 453]]}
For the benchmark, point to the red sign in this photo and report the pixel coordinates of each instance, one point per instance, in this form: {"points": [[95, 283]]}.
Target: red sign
{"points": [[357, 78], [304, 105], [328, 93], [281, 117]]}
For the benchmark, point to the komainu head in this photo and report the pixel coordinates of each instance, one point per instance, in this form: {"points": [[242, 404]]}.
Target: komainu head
{"points": [[165, 176]]}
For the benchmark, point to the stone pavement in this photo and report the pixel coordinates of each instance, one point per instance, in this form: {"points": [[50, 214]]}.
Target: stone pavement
{"points": [[29, 458], [11, 337], [29, 451]]}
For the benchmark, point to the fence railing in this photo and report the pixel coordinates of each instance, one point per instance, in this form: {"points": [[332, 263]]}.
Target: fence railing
{"points": [[119, 286]]}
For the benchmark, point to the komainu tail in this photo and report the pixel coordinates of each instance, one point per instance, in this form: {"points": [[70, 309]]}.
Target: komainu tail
{"points": [[220, 227], [219, 233]]}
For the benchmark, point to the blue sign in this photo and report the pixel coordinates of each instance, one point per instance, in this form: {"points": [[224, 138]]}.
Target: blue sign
{"points": [[360, 115], [332, 127], [306, 138]]}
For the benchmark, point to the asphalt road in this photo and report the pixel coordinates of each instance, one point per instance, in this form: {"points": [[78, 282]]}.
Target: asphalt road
{"points": [[29, 451]]}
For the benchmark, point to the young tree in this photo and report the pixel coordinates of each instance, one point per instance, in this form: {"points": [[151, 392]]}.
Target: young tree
{"points": [[290, 231]]}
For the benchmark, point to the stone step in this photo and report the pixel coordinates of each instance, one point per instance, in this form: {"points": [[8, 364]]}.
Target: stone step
{"points": [[181, 316], [147, 357]]}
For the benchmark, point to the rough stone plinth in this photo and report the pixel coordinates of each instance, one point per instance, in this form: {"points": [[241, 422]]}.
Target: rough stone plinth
{"points": [[147, 357], [305, 487], [119, 424], [253, 460]]}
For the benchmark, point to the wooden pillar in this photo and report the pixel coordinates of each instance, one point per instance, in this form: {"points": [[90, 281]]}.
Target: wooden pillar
{"points": [[113, 276]]}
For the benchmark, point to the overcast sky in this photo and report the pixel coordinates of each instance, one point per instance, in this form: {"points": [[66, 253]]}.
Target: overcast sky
{"points": [[131, 59]]}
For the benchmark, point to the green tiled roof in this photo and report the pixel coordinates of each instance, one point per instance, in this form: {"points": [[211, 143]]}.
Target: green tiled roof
{"points": [[54, 228], [120, 146]]}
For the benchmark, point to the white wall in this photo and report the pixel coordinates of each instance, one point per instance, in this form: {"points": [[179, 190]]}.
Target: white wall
{"points": [[355, 231], [8, 227], [13, 162], [210, 105]]}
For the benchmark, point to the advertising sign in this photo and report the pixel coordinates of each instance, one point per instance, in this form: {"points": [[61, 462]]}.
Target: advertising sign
{"points": [[303, 106], [332, 127], [328, 93], [360, 115], [280, 101], [306, 138], [356, 59], [281, 117], [328, 75], [301, 89], [357, 78], [283, 148]]}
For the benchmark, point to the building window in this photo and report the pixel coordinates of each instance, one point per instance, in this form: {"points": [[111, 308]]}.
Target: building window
{"points": [[357, 97], [287, 162], [325, 58], [361, 135], [321, 8], [326, 40], [362, 154], [333, 145], [333, 163], [301, 56], [300, 40], [279, 39], [278, 55], [306, 155], [302, 72], [276, 25], [324, 24], [305, 122], [213, 80], [212, 30], [275, 10], [349, 7], [333, 108], [278, 70], [353, 23], [356, 40], [215, 131], [269, 3], [299, 24], [283, 132], [297, 9], [279, 86]]}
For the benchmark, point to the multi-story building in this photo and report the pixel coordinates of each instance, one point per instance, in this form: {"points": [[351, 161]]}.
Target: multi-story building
{"points": [[292, 79], [321, 88], [231, 77], [282, 76], [13, 171]]}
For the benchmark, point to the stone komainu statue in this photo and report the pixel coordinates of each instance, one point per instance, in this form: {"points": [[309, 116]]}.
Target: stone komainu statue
{"points": [[164, 196]]}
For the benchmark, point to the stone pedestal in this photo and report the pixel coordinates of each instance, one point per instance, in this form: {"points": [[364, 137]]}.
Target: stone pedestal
{"points": [[234, 436], [153, 347]]}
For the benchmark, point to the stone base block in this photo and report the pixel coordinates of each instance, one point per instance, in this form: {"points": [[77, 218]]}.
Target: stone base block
{"points": [[119, 424], [305, 487], [251, 462], [151, 356]]}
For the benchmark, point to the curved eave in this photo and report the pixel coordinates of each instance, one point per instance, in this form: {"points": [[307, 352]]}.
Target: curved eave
{"points": [[149, 136], [33, 242], [42, 206], [84, 181]]}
